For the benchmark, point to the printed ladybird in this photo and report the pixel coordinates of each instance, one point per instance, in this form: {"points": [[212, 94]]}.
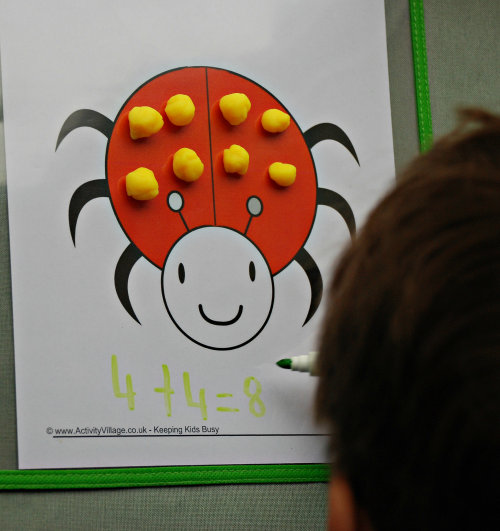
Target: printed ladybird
{"points": [[220, 239]]}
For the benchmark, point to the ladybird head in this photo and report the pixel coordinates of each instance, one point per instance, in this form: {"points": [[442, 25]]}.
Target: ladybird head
{"points": [[216, 284]]}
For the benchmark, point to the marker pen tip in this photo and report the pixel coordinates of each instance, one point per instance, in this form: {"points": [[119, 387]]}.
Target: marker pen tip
{"points": [[284, 363]]}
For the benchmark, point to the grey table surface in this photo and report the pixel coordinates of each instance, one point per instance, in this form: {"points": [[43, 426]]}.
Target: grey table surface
{"points": [[464, 70]]}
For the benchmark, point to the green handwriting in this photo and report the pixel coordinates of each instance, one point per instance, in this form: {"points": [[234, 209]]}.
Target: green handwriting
{"points": [[189, 397], [256, 406], [166, 390], [129, 395], [254, 397]]}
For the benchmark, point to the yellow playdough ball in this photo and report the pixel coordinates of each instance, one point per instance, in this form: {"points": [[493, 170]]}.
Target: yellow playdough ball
{"points": [[282, 174], [141, 184], [275, 121], [187, 165], [235, 107], [236, 159], [144, 122], [180, 109]]}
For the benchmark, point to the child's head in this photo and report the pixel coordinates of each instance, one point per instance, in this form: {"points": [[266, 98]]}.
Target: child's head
{"points": [[410, 353]]}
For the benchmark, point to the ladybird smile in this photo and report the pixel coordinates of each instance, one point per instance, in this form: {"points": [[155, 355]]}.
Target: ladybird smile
{"points": [[220, 323]]}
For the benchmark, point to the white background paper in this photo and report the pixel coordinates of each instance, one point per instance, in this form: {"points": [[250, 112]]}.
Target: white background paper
{"points": [[327, 62]]}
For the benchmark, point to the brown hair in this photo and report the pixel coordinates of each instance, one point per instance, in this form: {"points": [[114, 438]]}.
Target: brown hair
{"points": [[410, 351]]}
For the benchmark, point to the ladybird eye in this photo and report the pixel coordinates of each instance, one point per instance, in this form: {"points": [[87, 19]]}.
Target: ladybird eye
{"points": [[251, 271], [182, 273]]}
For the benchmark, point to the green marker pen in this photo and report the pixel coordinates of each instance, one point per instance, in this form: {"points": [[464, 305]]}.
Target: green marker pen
{"points": [[304, 363]]}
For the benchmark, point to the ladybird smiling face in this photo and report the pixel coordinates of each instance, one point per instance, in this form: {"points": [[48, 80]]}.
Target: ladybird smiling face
{"points": [[217, 288]]}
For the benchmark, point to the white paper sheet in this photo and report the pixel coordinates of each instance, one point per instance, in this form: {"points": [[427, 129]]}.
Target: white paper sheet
{"points": [[326, 62]]}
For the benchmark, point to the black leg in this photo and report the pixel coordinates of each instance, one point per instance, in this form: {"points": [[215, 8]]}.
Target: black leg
{"points": [[338, 203], [305, 260], [327, 131], [85, 118], [125, 264], [82, 195]]}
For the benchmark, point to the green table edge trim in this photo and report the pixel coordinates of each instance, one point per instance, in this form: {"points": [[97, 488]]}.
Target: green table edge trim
{"points": [[424, 115], [220, 474], [161, 476]]}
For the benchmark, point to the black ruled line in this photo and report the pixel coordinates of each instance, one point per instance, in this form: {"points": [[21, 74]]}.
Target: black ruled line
{"points": [[210, 144], [191, 435]]}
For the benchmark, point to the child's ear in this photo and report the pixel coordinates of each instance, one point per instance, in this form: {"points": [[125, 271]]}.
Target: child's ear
{"points": [[343, 514]]}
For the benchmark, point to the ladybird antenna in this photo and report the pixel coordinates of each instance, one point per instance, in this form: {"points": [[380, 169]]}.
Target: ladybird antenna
{"points": [[254, 207], [175, 202]]}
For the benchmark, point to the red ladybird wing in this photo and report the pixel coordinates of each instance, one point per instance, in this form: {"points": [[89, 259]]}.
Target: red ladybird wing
{"points": [[151, 225], [288, 213]]}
